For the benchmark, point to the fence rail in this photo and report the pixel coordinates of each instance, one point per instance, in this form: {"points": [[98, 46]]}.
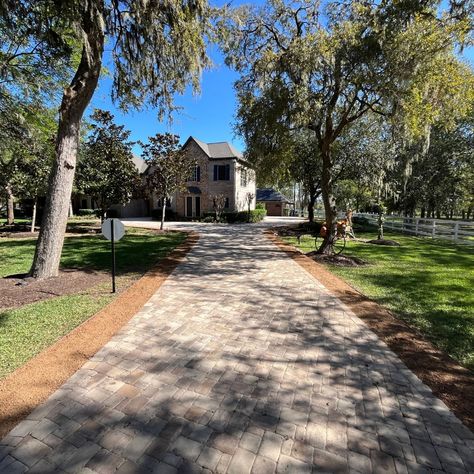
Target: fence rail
{"points": [[457, 231]]}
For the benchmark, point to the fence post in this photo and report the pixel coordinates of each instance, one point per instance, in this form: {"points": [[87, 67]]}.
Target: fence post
{"points": [[417, 221], [456, 231], [433, 230]]}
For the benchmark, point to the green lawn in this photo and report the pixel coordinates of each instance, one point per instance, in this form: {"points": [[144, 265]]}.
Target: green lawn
{"points": [[27, 330], [428, 283], [134, 253]]}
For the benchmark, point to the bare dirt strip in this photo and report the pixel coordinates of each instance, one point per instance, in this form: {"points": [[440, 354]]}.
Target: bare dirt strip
{"points": [[448, 380], [34, 382]]}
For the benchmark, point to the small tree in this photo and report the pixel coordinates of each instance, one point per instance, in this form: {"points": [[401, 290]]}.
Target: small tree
{"points": [[170, 167], [106, 171], [218, 204]]}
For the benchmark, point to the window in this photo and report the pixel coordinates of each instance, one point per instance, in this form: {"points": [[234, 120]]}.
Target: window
{"points": [[196, 176], [226, 205], [221, 172], [243, 177]]}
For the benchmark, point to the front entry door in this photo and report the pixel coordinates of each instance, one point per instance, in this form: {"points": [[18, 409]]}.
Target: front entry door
{"points": [[197, 207], [189, 206]]}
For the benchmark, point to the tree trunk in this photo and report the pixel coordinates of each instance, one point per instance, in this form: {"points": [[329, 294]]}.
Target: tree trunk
{"points": [[75, 100], [71, 210], [310, 211], [10, 206], [329, 201], [380, 222], [33, 217], [163, 214], [423, 212], [312, 199]]}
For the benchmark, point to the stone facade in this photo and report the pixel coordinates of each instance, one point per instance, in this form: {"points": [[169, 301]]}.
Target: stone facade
{"points": [[197, 199]]}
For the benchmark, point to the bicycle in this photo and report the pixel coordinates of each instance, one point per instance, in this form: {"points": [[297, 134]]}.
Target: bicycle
{"points": [[339, 237]]}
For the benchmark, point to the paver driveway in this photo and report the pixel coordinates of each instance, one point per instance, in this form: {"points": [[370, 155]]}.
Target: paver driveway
{"points": [[241, 362]]}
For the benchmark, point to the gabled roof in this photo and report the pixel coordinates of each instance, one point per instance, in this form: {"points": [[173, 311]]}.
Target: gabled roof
{"points": [[140, 163], [217, 150], [269, 194]]}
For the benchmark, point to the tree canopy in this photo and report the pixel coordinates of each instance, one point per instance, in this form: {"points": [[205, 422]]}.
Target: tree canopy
{"points": [[321, 67], [157, 49], [106, 171]]}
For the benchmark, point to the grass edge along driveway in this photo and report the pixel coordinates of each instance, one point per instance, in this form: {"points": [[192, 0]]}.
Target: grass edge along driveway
{"points": [[29, 329], [427, 283]]}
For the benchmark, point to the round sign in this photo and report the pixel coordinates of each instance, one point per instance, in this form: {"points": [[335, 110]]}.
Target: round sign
{"points": [[114, 225]]}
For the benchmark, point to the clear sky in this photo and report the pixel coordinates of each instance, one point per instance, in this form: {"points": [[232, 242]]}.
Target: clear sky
{"points": [[209, 116]]}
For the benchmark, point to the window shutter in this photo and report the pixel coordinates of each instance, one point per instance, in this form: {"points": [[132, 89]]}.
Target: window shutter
{"points": [[227, 172], [198, 173], [215, 172]]}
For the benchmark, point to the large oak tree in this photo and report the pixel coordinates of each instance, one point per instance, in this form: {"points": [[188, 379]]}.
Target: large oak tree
{"points": [[157, 49], [320, 67]]}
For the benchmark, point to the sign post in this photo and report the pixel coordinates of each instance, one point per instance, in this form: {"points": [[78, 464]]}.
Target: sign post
{"points": [[113, 230]]}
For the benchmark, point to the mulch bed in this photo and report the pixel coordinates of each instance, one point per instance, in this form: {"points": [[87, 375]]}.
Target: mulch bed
{"points": [[34, 382], [18, 290], [449, 381], [339, 260]]}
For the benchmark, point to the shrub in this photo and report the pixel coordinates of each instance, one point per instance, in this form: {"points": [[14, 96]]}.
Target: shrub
{"points": [[170, 215], [88, 213], [208, 219], [256, 215], [260, 205]]}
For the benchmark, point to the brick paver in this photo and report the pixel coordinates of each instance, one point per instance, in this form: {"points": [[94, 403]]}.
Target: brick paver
{"points": [[241, 362]]}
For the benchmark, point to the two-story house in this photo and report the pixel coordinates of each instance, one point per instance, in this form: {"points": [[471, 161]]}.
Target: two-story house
{"points": [[220, 170]]}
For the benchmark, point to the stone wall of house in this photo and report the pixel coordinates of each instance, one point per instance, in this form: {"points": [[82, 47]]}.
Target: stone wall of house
{"points": [[207, 185]]}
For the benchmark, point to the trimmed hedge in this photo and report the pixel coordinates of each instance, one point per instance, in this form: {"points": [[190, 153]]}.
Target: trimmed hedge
{"points": [[88, 212], [256, 215]]}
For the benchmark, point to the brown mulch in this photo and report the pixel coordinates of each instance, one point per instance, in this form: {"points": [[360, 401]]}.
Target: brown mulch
{"points": [[390, 243], [17, 291], [34, 382], [339, 260], [449, 381]]}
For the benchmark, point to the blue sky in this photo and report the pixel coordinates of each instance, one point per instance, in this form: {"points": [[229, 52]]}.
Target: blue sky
{"points": [[209, 116]]}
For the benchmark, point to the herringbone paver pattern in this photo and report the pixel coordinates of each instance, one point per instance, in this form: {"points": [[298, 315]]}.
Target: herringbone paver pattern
{"points": [[241, 363]]}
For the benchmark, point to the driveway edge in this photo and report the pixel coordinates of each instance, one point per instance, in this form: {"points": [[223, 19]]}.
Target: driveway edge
{"points": [[449, 381], [31, 384]]}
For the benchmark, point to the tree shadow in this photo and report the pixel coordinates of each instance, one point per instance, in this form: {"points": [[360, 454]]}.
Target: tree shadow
{"points": [[222, 367]]}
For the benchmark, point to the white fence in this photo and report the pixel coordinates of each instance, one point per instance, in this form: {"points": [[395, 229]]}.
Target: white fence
{"points": [[458, 231]]}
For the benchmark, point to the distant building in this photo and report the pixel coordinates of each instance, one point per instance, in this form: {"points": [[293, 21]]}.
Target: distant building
{"points": [[220, 169], [275, 203]]}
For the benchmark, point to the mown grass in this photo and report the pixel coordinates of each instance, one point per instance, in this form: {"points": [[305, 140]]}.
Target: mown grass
{"points": [[27, 330], [134, 253], [428, 283]]}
